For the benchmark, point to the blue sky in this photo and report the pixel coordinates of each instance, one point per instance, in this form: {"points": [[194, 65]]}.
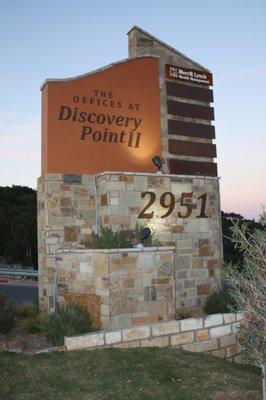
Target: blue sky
{"points": [[57, 39]]}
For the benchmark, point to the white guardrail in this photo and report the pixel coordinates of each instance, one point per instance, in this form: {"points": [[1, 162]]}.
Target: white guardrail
{"points": [[18, 272]]}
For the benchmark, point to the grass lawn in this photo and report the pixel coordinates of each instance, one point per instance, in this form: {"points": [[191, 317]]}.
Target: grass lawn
{"points": [[114, 374]]}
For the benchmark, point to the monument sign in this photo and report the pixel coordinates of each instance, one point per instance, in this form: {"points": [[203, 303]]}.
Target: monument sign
{"points": [[100, 132]]}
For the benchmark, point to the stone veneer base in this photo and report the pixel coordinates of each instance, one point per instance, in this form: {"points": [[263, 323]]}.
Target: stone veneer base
{"points": [[214, 334]]}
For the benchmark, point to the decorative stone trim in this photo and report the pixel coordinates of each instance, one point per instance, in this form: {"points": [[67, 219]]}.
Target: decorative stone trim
{"points": [[214, 334]]}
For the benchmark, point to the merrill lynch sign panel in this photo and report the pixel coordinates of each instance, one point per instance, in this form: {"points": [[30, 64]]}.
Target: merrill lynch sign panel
{"points": [[105, 121], [188, 75]]}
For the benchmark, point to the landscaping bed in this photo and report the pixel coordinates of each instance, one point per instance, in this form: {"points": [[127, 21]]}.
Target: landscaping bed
{"points": [[114, 374]]}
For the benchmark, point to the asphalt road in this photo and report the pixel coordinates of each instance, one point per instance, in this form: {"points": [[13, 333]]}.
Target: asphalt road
{"points": [[19, 292]]}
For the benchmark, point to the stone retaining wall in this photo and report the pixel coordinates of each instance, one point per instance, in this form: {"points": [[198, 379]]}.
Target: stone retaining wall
{"points": [[214, 334]]}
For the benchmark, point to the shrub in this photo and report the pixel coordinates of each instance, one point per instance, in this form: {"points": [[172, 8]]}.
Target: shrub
{"points": [[220, 302], [248, 290], [7, 317], [67, 320], [26, 310], [108, 239], [29, 318]]}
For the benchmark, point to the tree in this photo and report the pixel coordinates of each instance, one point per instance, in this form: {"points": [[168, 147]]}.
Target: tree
{"points": [[18, 225], [248, 290]]}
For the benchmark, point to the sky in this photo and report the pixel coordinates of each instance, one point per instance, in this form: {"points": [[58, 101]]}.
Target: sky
{"points": [[60, 39]]}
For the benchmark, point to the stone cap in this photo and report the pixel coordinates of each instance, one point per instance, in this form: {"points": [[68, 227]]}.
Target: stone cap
{"points": [[122, 250], [58, 177], [137, 28]]}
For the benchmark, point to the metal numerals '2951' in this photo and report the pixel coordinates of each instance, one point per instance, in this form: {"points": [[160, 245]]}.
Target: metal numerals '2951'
{"points": [[167, 201]]}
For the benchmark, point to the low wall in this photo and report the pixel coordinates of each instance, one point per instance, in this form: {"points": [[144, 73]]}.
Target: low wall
{"points": [[214, 334]]}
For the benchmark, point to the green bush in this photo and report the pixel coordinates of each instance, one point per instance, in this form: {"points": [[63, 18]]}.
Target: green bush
{"points": [[7, 316], [108, 239], [220, 302], [68, 320]]}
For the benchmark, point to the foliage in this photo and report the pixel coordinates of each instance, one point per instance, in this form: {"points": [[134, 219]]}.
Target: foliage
{"points": [[28, 317], [68, 320], [249, 288], [230, 252], [18, 225], [108, 239], [220, 302], [7, 316]]}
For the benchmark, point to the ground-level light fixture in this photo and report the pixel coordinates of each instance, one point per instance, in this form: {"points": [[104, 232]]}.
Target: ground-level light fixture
{"points": [[144, 234], [157, 162]]}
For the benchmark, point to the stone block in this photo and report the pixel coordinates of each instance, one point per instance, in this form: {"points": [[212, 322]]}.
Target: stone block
{"points": [[71, 233], [149, 319], [84, 341], [150, 293], [196, 262], [204, 247], [118, 305], [113, 337], [239, 316], [165, 328], [104, 200], [213, 320], [177, 228], [139, 332], [100, 265], [184, 244], [116, 185], [155, 342], [204, 289], [238, 359], [140, 183], [232, 351], [51, 240], [191, 324], [228, 340], [182, 262], [123, 262], [218, 353], [181, 338], [145, 260], [127, 345], [235, 327], [86, 268], [202, 334], [114, 201], [166, 269], [220, 331], [74, 179], [229, 318], [121, 321], [160, 281], [201, 347], [158, 307]]}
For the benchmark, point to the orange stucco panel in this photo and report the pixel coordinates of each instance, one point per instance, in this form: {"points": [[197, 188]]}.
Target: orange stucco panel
{"points": [[105, 121]]}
